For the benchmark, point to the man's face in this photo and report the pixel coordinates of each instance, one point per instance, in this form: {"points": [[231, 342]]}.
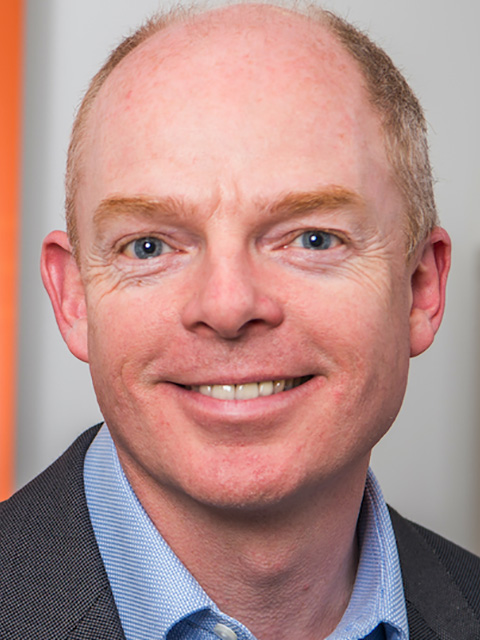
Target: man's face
{"points": [[239, 226]]}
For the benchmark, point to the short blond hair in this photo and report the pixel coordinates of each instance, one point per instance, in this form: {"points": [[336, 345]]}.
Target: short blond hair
{"points": [[401, 115]]}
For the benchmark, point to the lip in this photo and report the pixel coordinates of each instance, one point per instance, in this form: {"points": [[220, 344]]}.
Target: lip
{"points": [[257, 412]]}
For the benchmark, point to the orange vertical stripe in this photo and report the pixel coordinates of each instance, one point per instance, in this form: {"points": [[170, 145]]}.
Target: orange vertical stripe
{"points": [[11, 45]]}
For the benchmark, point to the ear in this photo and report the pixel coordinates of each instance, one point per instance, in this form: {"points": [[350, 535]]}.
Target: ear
{"points": [[428, 282], [62, 280]]}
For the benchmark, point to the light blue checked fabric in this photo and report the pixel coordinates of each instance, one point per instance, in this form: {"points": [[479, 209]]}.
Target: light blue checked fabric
{"points": [[158, 599]]}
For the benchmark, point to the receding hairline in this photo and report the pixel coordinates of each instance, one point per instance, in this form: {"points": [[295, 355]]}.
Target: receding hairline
{"points": [[175, 24], [186, 36], [202, 18]]}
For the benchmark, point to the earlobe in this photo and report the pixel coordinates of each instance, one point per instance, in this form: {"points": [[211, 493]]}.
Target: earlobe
{"points": [[62, 280], [428, 283]]}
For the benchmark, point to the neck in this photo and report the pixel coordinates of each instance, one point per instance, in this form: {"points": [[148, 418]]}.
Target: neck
{"points": [[284, 572]]}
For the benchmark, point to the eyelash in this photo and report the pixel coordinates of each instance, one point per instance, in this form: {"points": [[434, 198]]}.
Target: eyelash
{"points": [[316, 236], [130, 251]]}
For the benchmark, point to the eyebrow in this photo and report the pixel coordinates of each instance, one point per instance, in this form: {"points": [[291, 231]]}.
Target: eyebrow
{"points": [[292, 204], [139, 207], [326, 199]]}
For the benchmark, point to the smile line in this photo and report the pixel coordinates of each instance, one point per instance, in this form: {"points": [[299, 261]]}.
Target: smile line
{"points": [[249, 390]]}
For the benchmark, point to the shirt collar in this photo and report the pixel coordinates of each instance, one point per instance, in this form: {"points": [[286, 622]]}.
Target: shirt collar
{"points": [[141, 568], [378, 594], [153, 590]]}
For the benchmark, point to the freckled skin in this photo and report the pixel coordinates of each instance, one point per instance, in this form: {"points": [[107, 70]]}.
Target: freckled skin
{"points": [[281, 110], [261, 124], [221, 120]]}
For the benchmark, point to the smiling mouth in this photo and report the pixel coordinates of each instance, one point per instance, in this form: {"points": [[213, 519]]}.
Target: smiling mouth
{"points": [[249, 390]]}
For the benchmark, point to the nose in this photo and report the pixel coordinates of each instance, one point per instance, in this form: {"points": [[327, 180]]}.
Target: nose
{"points": [[231, 298]]}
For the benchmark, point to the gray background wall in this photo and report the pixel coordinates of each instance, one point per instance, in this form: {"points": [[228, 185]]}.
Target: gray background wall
{"points": [[427, 464]]}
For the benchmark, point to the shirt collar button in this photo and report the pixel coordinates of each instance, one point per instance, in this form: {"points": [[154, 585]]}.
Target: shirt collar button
{"points": [[224, 632]]}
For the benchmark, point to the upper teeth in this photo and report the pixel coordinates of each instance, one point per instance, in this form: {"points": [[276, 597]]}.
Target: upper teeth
{"points": [[247, 391]]}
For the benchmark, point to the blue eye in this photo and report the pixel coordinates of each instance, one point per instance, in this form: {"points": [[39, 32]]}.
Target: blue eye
{"points": [[317, 239], [145, 248]]}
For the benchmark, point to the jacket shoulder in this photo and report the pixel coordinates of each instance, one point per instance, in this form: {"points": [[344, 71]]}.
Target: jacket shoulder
{"points": [[441, 583], [52, 578]]}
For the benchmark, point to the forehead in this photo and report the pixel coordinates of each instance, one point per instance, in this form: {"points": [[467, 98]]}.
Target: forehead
{"points": [[210, 99], [255, 37]]}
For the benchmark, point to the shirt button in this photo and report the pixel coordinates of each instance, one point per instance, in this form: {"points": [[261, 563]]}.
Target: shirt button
{"points": [[224, 632]]}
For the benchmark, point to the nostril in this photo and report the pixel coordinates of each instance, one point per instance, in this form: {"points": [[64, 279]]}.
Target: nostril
{"points": [[230, 300]]}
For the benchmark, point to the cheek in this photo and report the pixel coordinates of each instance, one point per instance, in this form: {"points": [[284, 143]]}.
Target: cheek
{"points": [[128, 315], [349, 310], [136, 338], [125, 328], [362, 325]]}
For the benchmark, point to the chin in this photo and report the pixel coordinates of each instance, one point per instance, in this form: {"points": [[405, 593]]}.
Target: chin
{"points": [[246, 489], [242, 501]]}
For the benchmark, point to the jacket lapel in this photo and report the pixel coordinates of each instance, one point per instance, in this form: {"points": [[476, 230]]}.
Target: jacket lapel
{"points": [[436, 607], [101, 621], [52, 580]]}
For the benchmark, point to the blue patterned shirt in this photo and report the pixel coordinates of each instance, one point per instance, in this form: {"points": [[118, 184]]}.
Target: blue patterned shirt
{"points": [[157, 597]]}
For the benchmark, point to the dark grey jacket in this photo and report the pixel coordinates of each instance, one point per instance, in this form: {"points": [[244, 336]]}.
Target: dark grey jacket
{"points": [[53, 585]]}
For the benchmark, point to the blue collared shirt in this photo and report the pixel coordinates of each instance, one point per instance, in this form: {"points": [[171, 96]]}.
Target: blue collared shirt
{"points": [[157, 597]]}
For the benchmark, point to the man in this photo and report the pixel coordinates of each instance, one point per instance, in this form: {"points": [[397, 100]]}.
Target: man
{"points": [[252, 257]]}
